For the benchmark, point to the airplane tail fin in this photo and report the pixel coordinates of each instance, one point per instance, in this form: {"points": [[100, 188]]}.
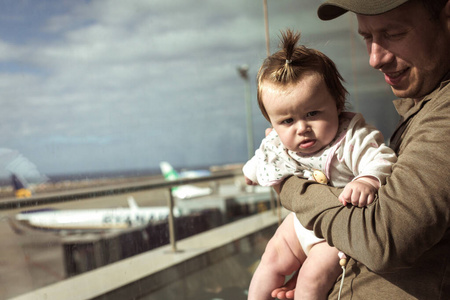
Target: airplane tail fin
{"points": [[132, 203], [183, 191], [20, 186], [168, 171]]}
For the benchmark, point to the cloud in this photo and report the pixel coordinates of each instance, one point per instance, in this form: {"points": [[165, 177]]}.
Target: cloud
{"points": [[151, 78]]}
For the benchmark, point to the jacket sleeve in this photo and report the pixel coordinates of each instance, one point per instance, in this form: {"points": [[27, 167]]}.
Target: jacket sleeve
{"points": [[411, 212]]}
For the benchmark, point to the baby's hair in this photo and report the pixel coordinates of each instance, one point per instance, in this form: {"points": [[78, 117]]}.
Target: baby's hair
{"points": [[291, 62]]}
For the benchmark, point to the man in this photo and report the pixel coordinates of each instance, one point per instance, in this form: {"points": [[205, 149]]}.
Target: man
{"points": [[399, 246]]}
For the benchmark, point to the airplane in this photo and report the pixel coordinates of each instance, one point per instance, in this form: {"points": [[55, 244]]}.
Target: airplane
{"points": [[20, 187], [94, 220], [185, 191]]}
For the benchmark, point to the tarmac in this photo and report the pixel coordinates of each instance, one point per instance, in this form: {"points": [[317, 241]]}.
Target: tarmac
{"points": [[33, 260], [217, 264]]}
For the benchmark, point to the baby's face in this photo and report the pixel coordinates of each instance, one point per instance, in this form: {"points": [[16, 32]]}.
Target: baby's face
{"points": [[303, 114]]}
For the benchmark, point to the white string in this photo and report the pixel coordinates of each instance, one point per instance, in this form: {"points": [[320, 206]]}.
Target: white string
{"points": [[342, 282], [342, 263]]}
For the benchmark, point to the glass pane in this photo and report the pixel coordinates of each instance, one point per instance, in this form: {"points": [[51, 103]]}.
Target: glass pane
{"points": [[96, 94]]}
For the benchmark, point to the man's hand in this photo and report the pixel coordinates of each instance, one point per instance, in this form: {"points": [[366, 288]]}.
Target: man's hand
{"points": [[360, 192]]}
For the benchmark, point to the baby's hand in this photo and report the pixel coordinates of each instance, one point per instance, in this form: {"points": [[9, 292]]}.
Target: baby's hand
{"points": [[249, 182], [360, 192]]}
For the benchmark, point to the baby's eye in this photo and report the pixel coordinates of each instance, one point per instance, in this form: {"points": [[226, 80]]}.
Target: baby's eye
{"points": [[287, 121], [312, 113]]}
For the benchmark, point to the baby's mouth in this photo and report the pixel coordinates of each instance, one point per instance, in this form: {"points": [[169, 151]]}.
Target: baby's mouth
{"points": [[307, 144]]}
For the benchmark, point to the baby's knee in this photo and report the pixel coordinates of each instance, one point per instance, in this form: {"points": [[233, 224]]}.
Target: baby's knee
{"points": [[320, 271], [279, 256]]}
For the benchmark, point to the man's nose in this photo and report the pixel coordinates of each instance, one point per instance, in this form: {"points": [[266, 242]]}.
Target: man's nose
{"points": [[379, 56]]}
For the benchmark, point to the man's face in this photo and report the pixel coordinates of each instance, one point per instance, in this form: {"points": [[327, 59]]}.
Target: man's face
{"points": [[410, 48]]}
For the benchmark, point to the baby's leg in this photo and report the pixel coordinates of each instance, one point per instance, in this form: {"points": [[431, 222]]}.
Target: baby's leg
{"points": [[283, 256], [318, 273]]}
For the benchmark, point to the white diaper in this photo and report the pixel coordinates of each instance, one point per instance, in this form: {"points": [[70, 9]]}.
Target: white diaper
{"points": [[306, 237]]}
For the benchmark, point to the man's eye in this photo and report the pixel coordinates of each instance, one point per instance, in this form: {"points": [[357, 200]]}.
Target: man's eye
{"points": [[366, 37], [312, 114], [394, 35], [287, 121]]}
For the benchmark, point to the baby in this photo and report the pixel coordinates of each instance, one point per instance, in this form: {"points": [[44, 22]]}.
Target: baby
{"points": [[300, 93]]}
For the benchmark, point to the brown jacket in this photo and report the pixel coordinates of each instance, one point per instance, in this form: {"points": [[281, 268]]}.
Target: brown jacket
{"points": [[400, 244]]}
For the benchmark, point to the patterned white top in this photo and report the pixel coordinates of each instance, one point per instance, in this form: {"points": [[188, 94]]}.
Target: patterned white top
{"points": [[357, 150]]}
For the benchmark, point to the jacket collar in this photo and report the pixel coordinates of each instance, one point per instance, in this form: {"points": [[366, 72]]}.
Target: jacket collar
{"points": [[407, 107]]}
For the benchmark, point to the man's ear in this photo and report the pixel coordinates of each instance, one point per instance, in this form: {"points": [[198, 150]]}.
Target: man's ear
{"points": [[445, 15]]}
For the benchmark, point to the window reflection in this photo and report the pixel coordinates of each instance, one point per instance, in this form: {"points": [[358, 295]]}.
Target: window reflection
{"points": [[96, 94]]}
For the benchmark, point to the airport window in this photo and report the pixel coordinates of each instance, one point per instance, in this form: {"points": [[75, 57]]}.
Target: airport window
{"points": [[125, 126]]}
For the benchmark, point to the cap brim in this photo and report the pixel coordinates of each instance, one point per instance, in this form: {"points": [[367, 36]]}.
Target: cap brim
{"points": [[329, 12], [332, 9]]}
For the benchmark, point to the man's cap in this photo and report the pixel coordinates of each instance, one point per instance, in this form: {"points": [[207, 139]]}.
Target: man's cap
{"points": [[334, 8]]}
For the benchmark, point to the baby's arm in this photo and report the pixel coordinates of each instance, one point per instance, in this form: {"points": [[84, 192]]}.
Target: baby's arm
{"points": [[370, 159], [360, 192], [270, 164]]}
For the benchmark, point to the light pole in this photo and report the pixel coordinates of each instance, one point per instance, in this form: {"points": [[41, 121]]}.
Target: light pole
{"points": [[266, 25], [243, 72]]}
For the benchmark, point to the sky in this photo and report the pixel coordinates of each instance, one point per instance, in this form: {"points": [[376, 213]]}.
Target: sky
{"points": [[111, 85]]}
